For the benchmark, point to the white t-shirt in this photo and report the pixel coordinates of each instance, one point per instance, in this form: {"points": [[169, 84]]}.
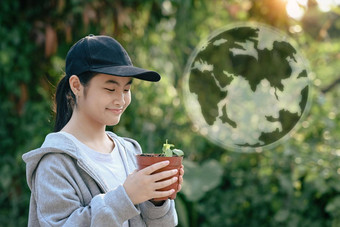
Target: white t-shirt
{"points": [[109, 166]]}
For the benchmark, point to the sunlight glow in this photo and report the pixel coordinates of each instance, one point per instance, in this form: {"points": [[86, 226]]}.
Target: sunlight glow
{"points": [[326, 5], [296, 8]]}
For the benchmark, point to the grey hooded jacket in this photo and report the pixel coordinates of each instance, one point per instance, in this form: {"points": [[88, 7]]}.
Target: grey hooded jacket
{"points": [[66, 191]]}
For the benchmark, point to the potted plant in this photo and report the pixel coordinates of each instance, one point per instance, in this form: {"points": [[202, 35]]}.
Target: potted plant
{"points": [[174, 156]]}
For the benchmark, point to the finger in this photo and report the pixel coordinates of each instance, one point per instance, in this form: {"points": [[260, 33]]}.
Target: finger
{"points": [[180, 180], [150, 169], [179, 188], [164, 175], [159, 194], [181, 171], [165, 183]]}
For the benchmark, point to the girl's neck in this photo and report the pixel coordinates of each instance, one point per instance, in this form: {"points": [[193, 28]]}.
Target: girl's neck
{"points": [[93, 135]]}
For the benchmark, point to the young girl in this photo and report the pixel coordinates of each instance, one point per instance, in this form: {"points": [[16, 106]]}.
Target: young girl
{"points": [[83, 175]]}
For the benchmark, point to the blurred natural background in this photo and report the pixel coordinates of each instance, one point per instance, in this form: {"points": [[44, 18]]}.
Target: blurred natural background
{"points": [[295, 184]]}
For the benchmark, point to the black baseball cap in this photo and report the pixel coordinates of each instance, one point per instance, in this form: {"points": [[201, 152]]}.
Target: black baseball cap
{"points": [[104, 54]]}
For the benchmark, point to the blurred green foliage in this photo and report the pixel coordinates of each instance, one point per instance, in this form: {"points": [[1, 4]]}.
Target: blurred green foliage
{"points": [[295, 184]]}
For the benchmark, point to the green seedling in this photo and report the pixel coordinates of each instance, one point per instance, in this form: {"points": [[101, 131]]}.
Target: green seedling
{"points": [[168, 152]]}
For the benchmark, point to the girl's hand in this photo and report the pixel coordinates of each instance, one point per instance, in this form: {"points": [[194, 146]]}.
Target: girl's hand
{"points": [[181, 173], [142, 185]]}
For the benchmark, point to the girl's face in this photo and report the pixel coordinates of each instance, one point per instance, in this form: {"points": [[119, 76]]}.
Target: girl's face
{"points": [[104, 99]]}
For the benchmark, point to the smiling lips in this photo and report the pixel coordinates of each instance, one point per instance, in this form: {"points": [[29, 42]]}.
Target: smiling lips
{"points": [[116, 110]]}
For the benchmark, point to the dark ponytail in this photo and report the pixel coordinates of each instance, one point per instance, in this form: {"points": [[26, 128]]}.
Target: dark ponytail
{"points": [[66, 100]]}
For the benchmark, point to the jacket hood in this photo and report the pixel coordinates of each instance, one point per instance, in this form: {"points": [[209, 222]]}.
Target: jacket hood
{"points": [[54, 143], [59, 143]]}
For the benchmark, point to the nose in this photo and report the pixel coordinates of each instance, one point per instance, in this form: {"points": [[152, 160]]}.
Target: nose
{"points": [[120, 99]]}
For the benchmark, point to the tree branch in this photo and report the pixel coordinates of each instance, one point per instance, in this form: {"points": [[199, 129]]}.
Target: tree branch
{"points": [[331, 86]]}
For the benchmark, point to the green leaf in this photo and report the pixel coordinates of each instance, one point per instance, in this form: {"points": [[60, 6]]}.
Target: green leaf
{"points": [[333, 206], [199, 179], [178, 152], [168, 153], [281, 215], [167, 146]]}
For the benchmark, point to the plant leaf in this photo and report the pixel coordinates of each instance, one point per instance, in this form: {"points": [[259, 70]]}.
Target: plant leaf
{"points": [[166, 147], [178, 152], [199, 179], [168, 153]]}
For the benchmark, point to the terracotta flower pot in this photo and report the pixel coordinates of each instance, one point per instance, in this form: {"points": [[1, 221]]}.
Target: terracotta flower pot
{"points": [[145, 160]]}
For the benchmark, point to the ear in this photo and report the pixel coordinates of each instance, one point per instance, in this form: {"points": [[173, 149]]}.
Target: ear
{"points": [[75, 85]]}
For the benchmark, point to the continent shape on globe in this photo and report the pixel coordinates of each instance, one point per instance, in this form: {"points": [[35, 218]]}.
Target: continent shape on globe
{"points": [[246, 87]]}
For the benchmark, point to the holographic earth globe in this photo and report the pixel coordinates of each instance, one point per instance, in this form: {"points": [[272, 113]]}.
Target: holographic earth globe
{"points": [[246, 87]]}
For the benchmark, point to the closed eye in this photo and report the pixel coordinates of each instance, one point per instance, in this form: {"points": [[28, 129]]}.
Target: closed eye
{"points": [[110, 89]]}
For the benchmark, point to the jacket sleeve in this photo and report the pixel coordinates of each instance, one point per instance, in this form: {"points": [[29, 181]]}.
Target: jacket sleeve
{"points": [[164, 215], [63, 198]]}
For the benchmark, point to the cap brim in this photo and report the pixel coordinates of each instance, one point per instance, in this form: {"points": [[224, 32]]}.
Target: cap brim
{"points": [[130, 71]]}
